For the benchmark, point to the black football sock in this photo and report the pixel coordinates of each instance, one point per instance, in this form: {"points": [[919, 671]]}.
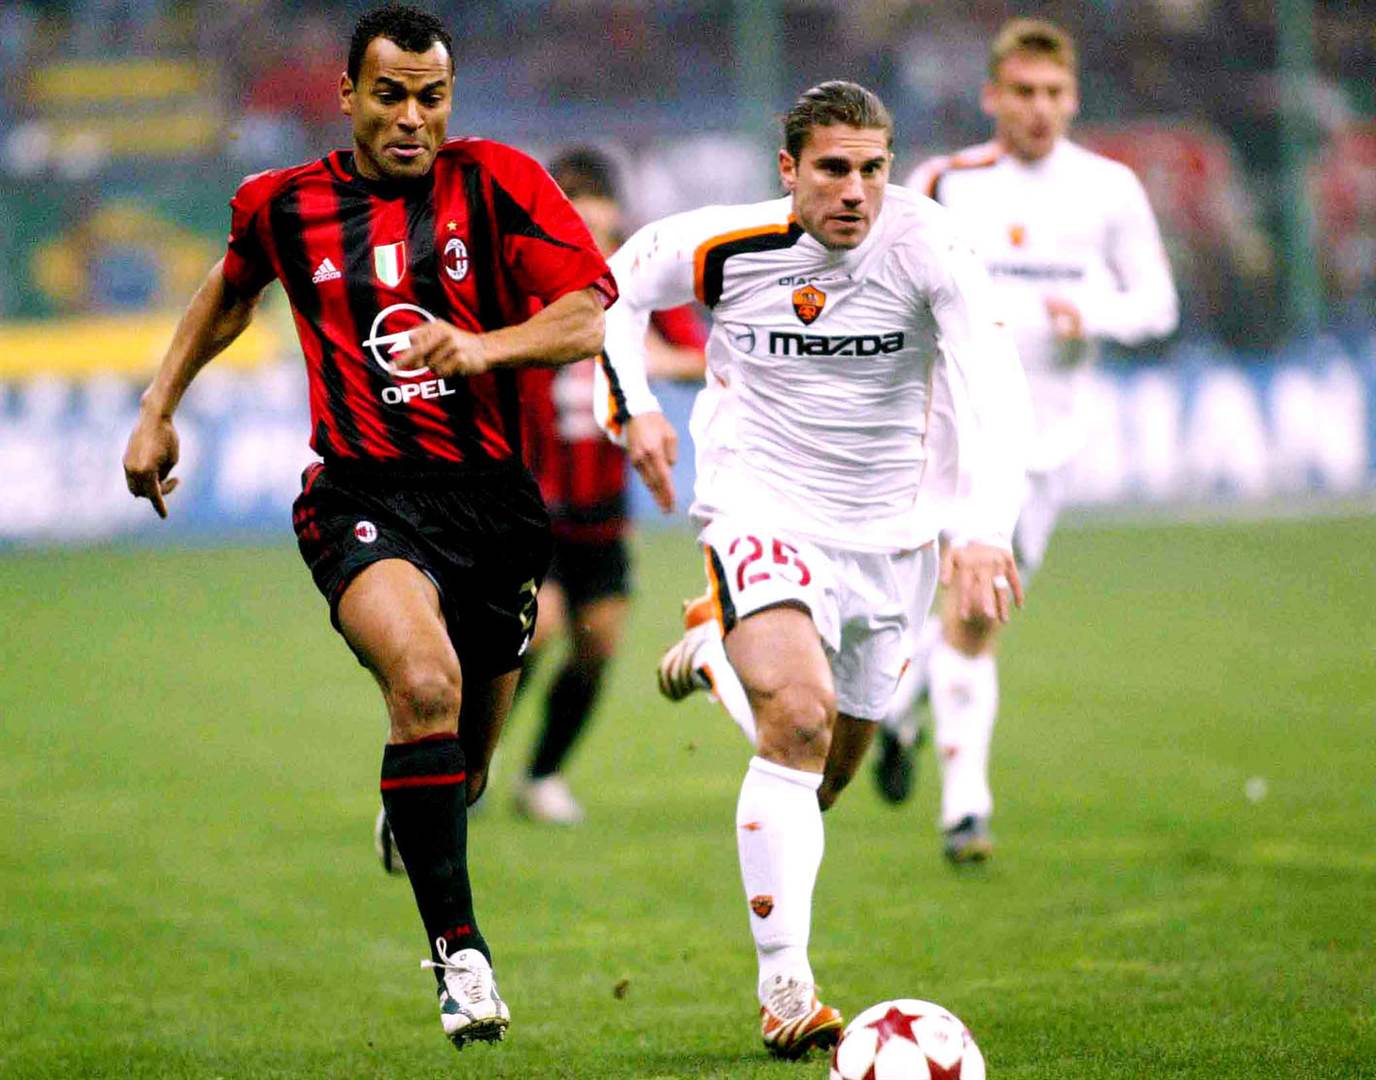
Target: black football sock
{"points": [[566, 714], [424, 784], [528, 664]]}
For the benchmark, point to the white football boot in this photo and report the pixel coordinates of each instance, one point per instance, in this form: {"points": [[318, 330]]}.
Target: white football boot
{"points": [[968, 841], [549, 800], [471, 1010]]}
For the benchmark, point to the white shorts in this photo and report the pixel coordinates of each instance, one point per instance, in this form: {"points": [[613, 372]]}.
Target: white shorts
{"points": [[867, 608]]}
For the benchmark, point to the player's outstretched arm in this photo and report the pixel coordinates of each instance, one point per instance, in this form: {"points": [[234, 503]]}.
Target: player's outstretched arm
{"points": [[1145, 306], [216, 316], [568, 330], [654, 270], [674, 350]]}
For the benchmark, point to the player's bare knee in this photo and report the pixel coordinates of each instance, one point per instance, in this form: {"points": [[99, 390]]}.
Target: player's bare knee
{"points": [[591, 661], [795, 723], [594, 645], [423, 700], [974, 636]]}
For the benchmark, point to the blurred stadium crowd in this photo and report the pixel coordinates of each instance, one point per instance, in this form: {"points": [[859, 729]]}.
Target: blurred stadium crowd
{"points": [[110, 107], [125, 125]]}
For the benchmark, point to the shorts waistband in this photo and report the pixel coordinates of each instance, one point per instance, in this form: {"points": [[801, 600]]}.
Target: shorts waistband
{"points": [[412, 474]]}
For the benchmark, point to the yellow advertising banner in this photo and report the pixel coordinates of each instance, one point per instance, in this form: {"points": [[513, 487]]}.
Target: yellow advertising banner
{"points": [[133, 344]]}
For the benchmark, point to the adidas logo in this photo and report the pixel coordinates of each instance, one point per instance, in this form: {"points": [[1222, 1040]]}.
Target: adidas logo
{"points": [[326, 271]]}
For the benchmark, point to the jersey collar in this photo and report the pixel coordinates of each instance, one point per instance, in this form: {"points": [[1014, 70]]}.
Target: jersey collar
{"points": [[1057, 151], [342, 164]]}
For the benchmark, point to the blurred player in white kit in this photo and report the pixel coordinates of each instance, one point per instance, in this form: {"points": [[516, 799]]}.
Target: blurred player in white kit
{"points": [[860, 397], [1075, 256]]}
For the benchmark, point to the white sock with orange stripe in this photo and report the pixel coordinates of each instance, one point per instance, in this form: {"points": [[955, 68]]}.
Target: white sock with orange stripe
{"points": [[726, 689], [965, 702], [780, 841], [728, 692]]}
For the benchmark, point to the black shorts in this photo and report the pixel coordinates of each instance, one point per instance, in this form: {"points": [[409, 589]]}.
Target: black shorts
{"points": [[589, 571], [482, 537]]}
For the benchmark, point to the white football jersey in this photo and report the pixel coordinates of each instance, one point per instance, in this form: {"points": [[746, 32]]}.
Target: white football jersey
{"points": [[1073, 225], [851, 395]]}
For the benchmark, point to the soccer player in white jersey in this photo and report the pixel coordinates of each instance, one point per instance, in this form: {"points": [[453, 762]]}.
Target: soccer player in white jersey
{"points": [[860, 394], [1075, 256]]}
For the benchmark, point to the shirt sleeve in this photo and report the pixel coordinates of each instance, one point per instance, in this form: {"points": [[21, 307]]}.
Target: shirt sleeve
{"points": [[923, 179], [247, 267], [991, 408], [681, 327], [547, 248], [654, 270], [1145, 305]]}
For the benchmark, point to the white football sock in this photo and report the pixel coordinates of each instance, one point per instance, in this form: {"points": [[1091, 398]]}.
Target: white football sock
{"points": [[779, 839], [727, 690], [901, 719], [965, 699]]}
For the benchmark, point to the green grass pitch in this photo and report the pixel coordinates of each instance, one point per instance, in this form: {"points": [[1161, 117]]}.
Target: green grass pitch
{"points": [[189, 757]]}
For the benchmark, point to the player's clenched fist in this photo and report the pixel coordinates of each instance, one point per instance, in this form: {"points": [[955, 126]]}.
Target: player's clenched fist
{"points": [[151, 454], [445, 350]]}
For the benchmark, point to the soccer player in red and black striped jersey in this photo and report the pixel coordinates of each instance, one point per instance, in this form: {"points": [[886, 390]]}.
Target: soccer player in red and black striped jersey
{"points": [[413, 266], [582, 476]]}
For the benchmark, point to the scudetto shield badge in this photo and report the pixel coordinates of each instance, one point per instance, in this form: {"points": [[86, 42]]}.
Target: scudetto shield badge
{"points": [[389, 263], [808, 303]]}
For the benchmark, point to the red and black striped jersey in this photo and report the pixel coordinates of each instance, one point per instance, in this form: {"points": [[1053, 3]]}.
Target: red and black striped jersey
{"points": [[582, 473], [482, 241]]}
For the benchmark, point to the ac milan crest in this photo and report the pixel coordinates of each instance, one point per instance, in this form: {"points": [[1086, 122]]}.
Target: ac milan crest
{"points": [[808, 303], [456, 259]]}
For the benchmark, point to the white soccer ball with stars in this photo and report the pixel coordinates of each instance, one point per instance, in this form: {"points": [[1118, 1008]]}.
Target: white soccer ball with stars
{"points": [[906, 1039]]}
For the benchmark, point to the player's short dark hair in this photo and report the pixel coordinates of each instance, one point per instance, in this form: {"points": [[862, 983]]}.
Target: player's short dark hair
{"points": [[1035, 37], [834, 102], [406, 27], [584, 171]]}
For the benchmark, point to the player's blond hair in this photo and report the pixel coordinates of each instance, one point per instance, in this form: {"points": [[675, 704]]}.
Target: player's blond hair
{"points": [[1033, 37]]}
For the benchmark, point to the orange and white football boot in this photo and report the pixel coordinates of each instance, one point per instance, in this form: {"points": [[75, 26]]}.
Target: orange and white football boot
{"points": [[793, 1021], [697, 661]]}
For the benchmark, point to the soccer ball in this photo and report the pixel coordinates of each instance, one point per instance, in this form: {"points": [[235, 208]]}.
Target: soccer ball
{"points": [[906, 1039]]}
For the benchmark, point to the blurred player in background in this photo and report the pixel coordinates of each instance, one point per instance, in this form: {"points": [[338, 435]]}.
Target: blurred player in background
{"points": [[413, 266], [582, 477], [856, 374], [1076, 257]]}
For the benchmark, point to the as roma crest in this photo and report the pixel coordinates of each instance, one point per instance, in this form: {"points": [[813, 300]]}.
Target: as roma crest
{"points": [[808, 303], [762, 905], [1017, 235]]}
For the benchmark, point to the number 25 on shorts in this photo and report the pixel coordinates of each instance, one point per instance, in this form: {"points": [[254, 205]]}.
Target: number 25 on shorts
{"points": [[754, 567]]}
